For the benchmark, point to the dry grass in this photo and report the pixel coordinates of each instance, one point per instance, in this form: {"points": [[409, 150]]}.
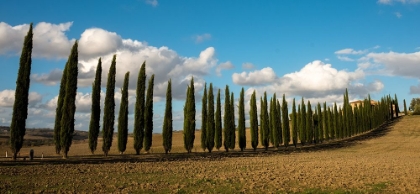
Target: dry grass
{"points": [[387, 163]]}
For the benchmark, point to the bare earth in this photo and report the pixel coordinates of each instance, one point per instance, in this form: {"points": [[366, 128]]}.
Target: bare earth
{"points": [[383, 161]]}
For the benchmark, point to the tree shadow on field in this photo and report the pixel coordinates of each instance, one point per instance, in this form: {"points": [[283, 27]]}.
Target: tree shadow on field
{"points": [[204, 156]]}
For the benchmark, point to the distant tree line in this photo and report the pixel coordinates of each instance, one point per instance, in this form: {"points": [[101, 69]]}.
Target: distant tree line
{"points": [[272, 126]]}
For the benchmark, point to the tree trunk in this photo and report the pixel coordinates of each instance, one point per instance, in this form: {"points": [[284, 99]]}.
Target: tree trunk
{"points": [[65, 155], [137, 152], [14, 156]]}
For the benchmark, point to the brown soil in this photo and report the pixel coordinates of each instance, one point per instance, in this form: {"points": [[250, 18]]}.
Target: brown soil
{"points": [[385, 160]]}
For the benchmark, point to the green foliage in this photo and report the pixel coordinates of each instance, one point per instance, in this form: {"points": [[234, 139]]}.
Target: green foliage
{"points": [[218, 123], [302, 125], [397, 108], [148, 115], [210, 120], [138, 132], [285, 122], [232, 122], [309, 124], [227, 127], [405, 108], [241, 121], [69, 103], [265, 124], [189, 118], [59, 112], [204, 119], [123, 116], [253, 121], [167, 120], [20, 106], [294, 124], [413, 103], [94, 125], [273, 134], [320, 129], [109, 109]]}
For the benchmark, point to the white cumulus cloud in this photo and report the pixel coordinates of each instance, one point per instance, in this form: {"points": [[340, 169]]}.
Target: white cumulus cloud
{"points": [[223, 66], [257, 77]]}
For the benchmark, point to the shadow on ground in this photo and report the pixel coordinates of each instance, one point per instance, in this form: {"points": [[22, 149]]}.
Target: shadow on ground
{"points": [[160, 157]]}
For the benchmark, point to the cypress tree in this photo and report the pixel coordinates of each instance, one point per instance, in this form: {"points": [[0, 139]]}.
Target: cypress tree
{"points": [[325, 121], [20, 106], [397, 108], [294, 124], [265, 123], [253, 121], [226, 121], [189, 132], [261, 120], [210, 120], [286, 126], [94, 125], [278, 122], [109, 109], [232, 122], [320, 136], [405, 108], [167, 120], [309, 123], [302, 130], [335, 122], [138, 132], [241, 122], [69, 103], [148, 115], [123, 116], [58, 110], [272, 120], [218, 126], [204, 119], [186, 121]]}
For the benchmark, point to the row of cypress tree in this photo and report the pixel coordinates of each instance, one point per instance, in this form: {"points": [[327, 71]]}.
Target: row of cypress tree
{"points": [[307, 126]]}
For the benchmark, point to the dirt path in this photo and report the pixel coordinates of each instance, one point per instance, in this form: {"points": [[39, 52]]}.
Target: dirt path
{"points": [[385, 161]]}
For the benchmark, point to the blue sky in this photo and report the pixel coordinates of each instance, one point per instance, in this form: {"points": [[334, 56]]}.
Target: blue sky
{"points": [[310, 49]]}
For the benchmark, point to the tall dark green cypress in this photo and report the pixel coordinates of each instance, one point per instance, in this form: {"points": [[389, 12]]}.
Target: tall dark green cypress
{"points": [[109, 109], [335, 122], [285, 122], [405, 108], [232, 122], [275, 136], [189, 117], [20, 106], [218, 126], [279, 127], [210, 120], [325, 122], [167, 120], [309, 124], [138, 132], [226, 121], [265, 123], [253, 121], [320, 135], [241, 122], [204, 119], [273, 133], [59, 112], [302, 130], [95, 117], [123, 116], [148, 115], [397, 108], [294, 124], [69, 103]]}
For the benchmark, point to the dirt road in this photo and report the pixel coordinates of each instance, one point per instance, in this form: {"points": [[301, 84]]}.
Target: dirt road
{"points": [[385, 161]]}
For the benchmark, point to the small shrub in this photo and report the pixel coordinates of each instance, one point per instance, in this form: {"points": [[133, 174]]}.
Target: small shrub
{"points": [[416, 109]]}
